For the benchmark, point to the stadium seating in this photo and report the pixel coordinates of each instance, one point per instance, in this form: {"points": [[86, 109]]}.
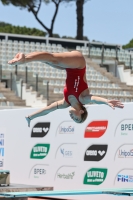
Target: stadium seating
{"points": [[123, 55], [99, 80]]}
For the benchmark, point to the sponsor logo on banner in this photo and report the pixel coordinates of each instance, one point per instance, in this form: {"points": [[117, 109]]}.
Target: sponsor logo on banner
{"points": [[2, 147], [38, 172], [1, 163], [66, 153], [125, 178], [1, 152], [66, 128], [40, 129], [96, 129], [95, 152], [40, 151], [95, 176], [125, 151], [64, 175], [68, 150], [125, 154], [125, 128]]}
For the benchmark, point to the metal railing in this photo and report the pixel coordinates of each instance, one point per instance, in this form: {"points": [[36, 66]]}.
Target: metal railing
{"points": [[26, 79]]}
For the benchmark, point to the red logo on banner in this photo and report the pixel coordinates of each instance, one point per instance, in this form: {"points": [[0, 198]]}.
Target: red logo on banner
{"points": [[96, 129]]}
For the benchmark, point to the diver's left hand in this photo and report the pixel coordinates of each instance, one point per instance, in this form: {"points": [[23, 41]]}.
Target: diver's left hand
{"points": [[115, 103]]}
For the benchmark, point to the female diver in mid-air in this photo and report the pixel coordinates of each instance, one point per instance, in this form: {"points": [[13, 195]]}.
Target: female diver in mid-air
{"points": [[76, 92]]}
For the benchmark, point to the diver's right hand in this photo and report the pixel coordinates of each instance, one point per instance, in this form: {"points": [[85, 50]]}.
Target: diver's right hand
{"points": [[18, 59], [28, 120]]}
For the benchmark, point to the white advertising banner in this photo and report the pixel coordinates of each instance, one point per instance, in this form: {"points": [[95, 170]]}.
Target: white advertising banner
{"points": [[55, 151]]}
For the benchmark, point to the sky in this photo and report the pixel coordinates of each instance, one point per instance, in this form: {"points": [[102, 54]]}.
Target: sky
{"points": [[107, 21]]}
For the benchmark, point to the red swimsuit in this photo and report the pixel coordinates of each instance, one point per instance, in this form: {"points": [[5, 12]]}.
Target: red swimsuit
{"points": [[75, 84]]}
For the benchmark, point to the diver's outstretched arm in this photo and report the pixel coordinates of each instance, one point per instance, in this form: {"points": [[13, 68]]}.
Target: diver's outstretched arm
{"points": [[54, 106], [100, 100]]}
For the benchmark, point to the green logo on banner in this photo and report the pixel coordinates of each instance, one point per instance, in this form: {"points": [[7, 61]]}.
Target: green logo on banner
{"points": [[95, 176], [40, 151]]}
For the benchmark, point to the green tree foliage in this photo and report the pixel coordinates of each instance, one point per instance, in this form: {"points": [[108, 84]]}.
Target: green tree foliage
{"points": [[68, 37], [73, 38], [34, 6], [85, 38], [129, 45], [8, 28], [56, 35]]}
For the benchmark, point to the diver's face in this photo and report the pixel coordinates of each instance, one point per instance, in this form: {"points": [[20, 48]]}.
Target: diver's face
{"points": [[75, 114]]}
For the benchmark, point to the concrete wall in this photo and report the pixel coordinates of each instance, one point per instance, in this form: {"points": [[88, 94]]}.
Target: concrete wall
{"points": [[125, 75], [31, 98]]}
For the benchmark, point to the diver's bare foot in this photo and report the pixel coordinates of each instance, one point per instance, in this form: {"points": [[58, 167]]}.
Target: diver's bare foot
{"points": [[28, 120]]}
